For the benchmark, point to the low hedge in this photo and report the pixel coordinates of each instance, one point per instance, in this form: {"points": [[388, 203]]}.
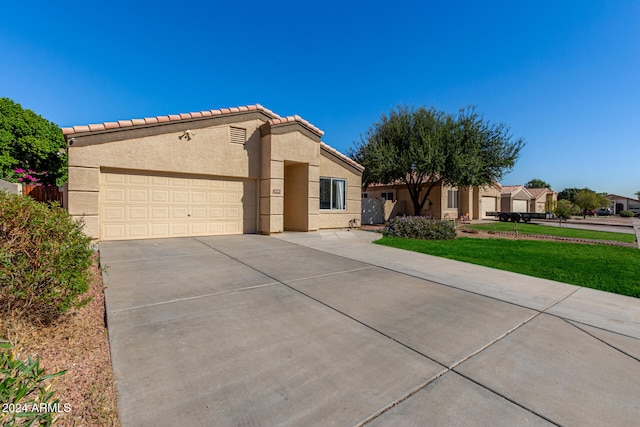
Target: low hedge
{"points": [[45, 259], [626, 214], [420, 227]]}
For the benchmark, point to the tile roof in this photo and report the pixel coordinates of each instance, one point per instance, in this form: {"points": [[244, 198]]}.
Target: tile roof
{"points": [[621, 197], [342, 156], [536, 192], [294, 119], [182, 116], [510, 189], [274, 121]]}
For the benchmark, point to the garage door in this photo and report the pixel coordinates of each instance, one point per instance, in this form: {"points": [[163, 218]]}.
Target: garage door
{"points": [[140, 205], [520, 206], [488, 205]]}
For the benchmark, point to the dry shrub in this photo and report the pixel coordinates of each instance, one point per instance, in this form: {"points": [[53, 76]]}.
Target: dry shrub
{"points": [[76, 342], [44, 260]]}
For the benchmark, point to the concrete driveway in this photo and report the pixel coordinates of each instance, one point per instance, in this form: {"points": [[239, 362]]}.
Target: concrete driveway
{"points": [[328, 329]]}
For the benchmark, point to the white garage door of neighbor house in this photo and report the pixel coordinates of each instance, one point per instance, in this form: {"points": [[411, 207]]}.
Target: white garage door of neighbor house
{"points": [[141, 206], [520, 206], [488, 205]]}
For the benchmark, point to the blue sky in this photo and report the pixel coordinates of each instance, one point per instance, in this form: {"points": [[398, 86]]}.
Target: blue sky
{"points": [[565, 75]]}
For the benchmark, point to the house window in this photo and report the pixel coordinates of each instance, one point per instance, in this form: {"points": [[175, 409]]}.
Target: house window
{"points": [[365, 195], [452, 199], [333, 192], [387, 195]]}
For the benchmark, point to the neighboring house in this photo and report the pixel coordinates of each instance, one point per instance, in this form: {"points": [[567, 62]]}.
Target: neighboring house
{"points": [[515, 198], [228, 171], [622, 203], [543, 200], [443, 201]]}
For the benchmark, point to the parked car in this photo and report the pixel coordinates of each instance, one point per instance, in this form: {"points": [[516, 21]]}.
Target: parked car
{"points": [[603, 211]]}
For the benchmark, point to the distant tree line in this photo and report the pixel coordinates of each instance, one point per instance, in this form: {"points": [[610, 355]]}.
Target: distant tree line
{"points": [[574, 201]]}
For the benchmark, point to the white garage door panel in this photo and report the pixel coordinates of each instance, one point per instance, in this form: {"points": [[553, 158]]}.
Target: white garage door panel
{"points": [[488, 205], [520, 206], [138, 206]]}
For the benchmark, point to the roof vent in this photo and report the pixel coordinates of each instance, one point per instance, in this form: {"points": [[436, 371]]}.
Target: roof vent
{"points": [[238, 135]]}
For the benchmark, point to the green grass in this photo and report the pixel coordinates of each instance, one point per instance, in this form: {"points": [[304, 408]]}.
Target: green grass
{"points": [[556, 231], [607, 268]]}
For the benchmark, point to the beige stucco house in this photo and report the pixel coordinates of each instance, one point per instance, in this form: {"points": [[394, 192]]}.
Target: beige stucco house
{"points": [[443, 201], [517, 198], [543, 200], [228, 171], [622, 203]]}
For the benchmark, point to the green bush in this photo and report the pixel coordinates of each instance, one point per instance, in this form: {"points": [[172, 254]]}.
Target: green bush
{"points": [[44, 259], [420, 227], [627, 214], [564, 209], [25, 391]]}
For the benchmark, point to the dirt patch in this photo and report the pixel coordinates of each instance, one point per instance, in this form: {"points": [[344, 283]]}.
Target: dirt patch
{"points": [[78, 343], [481, 234]]}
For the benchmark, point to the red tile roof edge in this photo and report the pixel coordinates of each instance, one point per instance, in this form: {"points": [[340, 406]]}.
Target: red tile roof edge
{"points": [[295, 119], [510, 189], [275, 120], [336, 153], [171, 118]]}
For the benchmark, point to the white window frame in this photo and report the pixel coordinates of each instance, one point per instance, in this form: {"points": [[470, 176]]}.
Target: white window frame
{"points": [[332, 201], [387, 195]]}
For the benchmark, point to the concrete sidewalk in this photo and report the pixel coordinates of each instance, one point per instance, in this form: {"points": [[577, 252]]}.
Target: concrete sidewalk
{"points": [[327, 328]]}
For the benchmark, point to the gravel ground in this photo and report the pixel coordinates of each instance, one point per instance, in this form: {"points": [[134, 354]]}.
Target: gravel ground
{"points": [[78, 343], [466, 232]]}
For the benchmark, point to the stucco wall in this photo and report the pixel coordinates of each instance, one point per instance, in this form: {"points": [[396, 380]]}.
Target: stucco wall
{"points": [[274, 152], [436, 205], [209, 151], [432, 207], [278, 149], [330, 167], [489, 191], [507, 201]]}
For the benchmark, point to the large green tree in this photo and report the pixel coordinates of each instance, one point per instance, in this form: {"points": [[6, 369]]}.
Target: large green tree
{"points": [[30, 142], [570, 194], [537, 183], [424, 147], [587, 200]]}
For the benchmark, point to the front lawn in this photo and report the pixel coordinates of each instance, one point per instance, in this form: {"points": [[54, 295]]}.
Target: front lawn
{"points": [[555, 231], [607, 268]]}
